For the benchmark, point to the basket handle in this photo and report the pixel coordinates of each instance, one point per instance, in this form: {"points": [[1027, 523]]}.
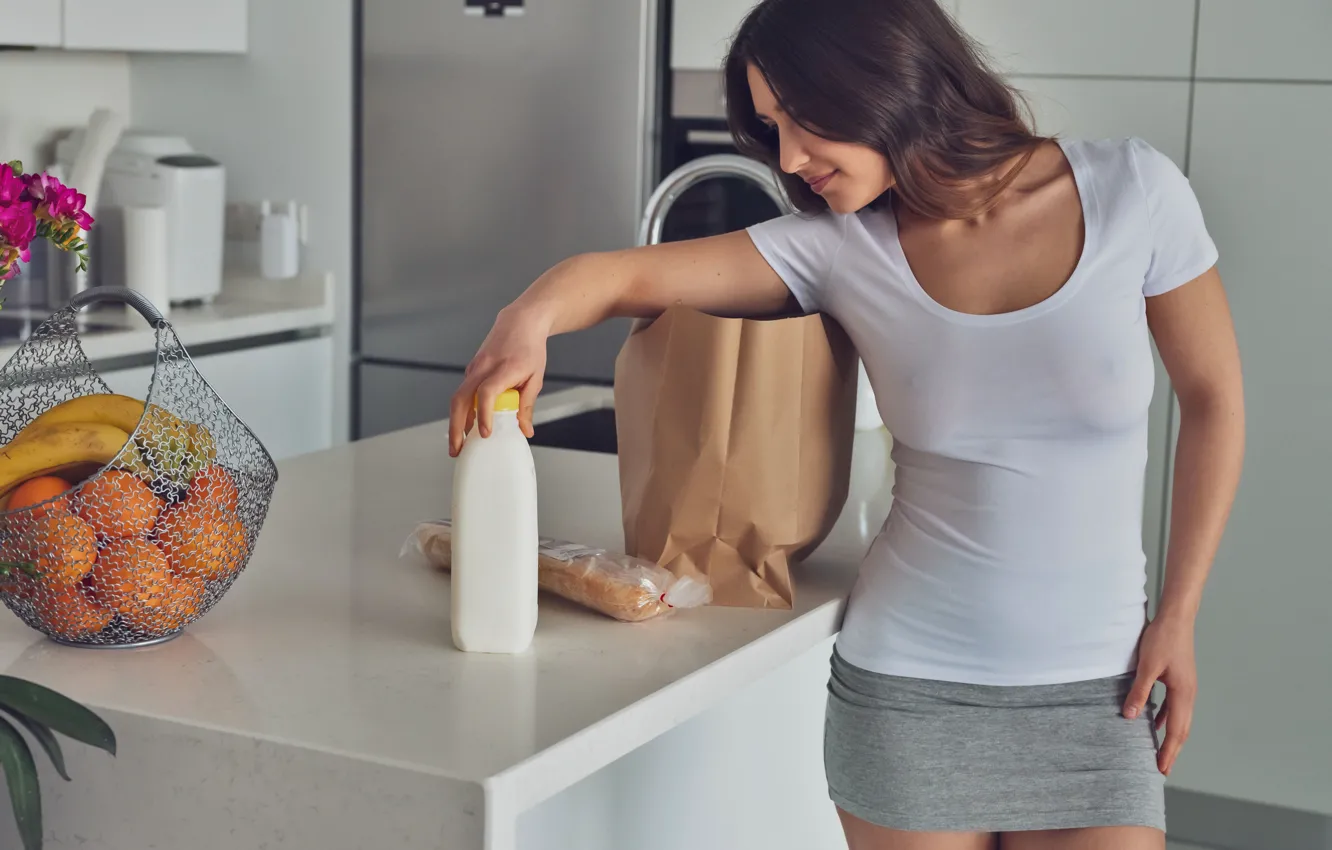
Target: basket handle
{"points": [[123, 295]]}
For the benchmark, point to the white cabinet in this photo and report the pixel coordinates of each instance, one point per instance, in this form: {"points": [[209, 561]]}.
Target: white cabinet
{"points": [[1128, 38], [1278, 39], [701, 31], [175, 26], [1156, 110], [1260, 731], [31, 23], [283, 392]]}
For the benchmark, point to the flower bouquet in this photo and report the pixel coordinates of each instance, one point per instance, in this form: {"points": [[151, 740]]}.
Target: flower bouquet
{"points": [[38, 206]]}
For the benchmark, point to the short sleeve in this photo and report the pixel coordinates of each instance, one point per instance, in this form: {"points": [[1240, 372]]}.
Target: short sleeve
{"points": [[1181, 247], [802, 251]]}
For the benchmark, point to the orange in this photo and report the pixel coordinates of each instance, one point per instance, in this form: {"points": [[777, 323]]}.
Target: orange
{"points": [[34, 491], [118, 504], [61, 546], [215, 486], [66, 612], [201, 542], [167, 611], [131, 574]]}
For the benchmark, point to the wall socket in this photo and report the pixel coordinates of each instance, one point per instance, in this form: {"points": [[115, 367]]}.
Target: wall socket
{"points": [[244, 221]]}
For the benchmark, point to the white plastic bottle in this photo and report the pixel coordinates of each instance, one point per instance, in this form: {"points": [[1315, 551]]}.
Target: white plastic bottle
{"points": [[494, 573]]}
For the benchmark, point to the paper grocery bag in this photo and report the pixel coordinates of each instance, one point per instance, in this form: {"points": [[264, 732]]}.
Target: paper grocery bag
{"points": [[734, 446]]}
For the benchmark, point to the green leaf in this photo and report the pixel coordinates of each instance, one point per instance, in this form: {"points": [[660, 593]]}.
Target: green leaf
{"points": [[24, 793], [59, 712], [48, 740], [17, 165]]}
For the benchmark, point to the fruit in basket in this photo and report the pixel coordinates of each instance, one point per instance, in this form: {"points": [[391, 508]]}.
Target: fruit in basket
{"points": [[41, 489], [119, 504], [201, 540], [214, 485], [201, 441], [62, 547], [70, 614], [132, 578], [174, 449], [52, 449], [108, 408]]}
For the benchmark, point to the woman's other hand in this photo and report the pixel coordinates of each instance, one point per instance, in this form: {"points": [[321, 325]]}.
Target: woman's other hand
{"points": [[1165, 654]]}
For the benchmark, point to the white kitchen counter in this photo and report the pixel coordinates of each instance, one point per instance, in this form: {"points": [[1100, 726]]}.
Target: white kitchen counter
{"points": [[245, 308], [322, 704]]}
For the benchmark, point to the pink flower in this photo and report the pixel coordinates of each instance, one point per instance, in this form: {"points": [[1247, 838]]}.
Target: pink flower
{"points": [[12, 185], [9, 257], [37, 184], [57, 202], [18, 226]]}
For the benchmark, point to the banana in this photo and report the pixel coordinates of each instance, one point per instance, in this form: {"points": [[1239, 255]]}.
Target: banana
{"points": [[57, 446], [109, 408]]}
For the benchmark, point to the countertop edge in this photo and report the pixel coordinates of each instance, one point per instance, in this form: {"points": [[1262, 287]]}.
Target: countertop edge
{"points": [[578, 756]]}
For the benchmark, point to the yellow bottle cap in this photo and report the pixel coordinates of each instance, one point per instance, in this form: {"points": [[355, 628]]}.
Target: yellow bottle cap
{"points": [[506, 402]]}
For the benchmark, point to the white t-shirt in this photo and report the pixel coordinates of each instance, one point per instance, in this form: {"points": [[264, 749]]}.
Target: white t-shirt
{"points": [[1013, 553]]}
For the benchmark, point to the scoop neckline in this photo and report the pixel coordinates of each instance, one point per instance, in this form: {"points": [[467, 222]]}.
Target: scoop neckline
{"points": [[1087, 200]]}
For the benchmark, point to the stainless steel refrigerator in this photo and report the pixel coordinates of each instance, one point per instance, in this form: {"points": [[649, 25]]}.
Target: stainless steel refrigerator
{"points": [[496, 137]]}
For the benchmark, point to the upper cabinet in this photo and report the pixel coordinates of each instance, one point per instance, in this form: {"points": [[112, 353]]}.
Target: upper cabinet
{"points": [[1124, 38], [701, 31], [1275, 40], [127, 26], [31, 23], [169, 26]]}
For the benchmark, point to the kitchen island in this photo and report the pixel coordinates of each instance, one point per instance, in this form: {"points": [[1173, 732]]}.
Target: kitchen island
{"points": [[321, 704]]}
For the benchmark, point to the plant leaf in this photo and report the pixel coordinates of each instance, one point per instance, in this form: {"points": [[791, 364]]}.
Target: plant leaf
{"points": [[21, 776], [58, 712], [48, 740]]}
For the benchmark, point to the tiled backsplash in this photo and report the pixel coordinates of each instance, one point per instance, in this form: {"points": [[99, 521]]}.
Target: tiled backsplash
{"points": [[48, 91]]}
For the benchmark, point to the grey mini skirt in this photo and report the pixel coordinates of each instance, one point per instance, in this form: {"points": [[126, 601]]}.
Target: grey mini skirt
{"points": [[921, 755]]}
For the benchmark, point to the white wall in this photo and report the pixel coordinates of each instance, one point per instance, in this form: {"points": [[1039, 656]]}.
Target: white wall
{"points": [[280, 119], [46, 92]]}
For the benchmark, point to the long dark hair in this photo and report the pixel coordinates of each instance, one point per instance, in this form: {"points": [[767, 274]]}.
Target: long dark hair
{"points": [[898, 76]]}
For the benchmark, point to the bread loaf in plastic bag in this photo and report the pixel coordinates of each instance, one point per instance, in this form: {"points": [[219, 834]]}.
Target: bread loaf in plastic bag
{"points": [[621, 586]]}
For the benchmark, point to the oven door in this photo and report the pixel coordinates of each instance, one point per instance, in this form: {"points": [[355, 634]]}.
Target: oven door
{"points": [[716, 205]]}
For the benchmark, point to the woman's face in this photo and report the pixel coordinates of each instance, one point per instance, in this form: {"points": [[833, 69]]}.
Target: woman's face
{"points": [[848, 176]]}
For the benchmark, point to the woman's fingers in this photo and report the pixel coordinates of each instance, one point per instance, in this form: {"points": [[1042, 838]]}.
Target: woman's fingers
{"points": [[485, 386], [1177, 729], [527, 404], [1141, 691]]}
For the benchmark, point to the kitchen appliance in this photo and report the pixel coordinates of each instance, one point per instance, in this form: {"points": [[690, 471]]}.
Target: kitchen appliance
{"points": [[154, 170], [492, 145]]}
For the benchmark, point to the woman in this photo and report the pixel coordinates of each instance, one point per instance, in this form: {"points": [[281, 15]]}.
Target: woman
{"points": [[991, 683]]}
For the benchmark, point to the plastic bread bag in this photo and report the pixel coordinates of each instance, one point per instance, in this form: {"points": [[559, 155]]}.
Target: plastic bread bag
{"points": [[621, 586]]}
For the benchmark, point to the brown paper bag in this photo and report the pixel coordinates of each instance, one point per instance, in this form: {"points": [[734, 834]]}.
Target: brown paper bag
{"points": [[734, 446]]}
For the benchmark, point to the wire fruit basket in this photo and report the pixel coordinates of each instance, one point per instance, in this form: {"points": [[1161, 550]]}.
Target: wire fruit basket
{"points": [[122, 521]]}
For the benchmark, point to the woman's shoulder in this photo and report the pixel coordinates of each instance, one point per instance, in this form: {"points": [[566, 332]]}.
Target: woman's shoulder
{"points": [[1125, 158]]}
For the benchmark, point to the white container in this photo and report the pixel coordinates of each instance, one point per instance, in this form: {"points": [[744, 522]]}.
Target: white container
{"points": [[279, 242], [494, 574], [146, 255]]}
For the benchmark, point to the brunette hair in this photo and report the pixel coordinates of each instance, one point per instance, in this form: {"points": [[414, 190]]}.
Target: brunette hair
{"points": [[898, 76]]}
